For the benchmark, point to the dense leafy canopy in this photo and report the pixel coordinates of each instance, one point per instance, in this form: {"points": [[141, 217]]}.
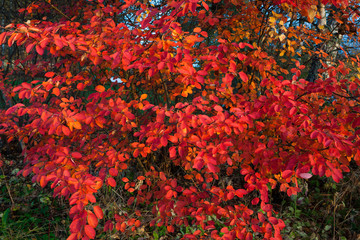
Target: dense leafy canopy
{"points": [[196, 109]]}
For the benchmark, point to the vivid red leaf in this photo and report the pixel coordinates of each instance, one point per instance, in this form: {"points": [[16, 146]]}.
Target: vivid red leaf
{"points": [[98, 212], [92, 219], [90, 232]]}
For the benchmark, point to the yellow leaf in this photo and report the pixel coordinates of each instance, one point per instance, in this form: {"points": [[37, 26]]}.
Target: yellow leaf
{"points": [[77, 125], [272, 20], [282, 37], [143, 96], [312, 13]]}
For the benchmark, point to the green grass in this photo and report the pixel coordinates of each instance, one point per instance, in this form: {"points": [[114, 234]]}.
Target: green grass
{"points": [[29, 212]]}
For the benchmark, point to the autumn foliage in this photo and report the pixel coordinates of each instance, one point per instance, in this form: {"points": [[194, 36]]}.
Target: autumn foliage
{"points": [[195, 110]]}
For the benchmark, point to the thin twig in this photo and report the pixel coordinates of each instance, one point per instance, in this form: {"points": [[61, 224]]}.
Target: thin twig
{"points": [[166, 90], [8, 189], [58, 10]]}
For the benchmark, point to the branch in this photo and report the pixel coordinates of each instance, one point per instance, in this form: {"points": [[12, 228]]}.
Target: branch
{"points": [[58, 10]]}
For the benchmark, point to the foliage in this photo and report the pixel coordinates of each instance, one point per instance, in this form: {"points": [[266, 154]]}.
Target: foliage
{"points": [[218, 104], [27, 211]]}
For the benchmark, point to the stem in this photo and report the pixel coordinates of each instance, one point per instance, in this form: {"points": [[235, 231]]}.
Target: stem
{"points": [[8, 189], [58, 10]]}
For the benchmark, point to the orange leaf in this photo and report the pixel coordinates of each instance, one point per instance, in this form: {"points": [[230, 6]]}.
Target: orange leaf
{"points": [[43, 181], [143, 96], [100, 88], [125, 179], [2, 37], [56, 91], [317, 41], [141, 178], [137, 223], [197, 30], [76, 125], [73, 236]]}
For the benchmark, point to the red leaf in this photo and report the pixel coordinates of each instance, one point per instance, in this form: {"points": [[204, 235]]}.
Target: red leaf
{"points": [[267, 207], [91, 197], [218, 108], [170, 228], [12, 39], [249, 236], [286, 173], [162, 176], [205, 5], [255, 201], [49, 74], [29, 47], [141, 178], [123, 227], [65, 130], [76, 155], [92, 219], [268, 228], [336, 175], [261, 217], [137, 223], [228, 78], [161, 65], [240, 193], [98, 212], [111, 182], [172, 152], [230, 195], [90, 232], [212, 168], [75, 226], [204, 34], [292, 111], [39, 50], [169, 194], [314, 134], [163, 141], [113, 172], [273, 220], [243, 76]]}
